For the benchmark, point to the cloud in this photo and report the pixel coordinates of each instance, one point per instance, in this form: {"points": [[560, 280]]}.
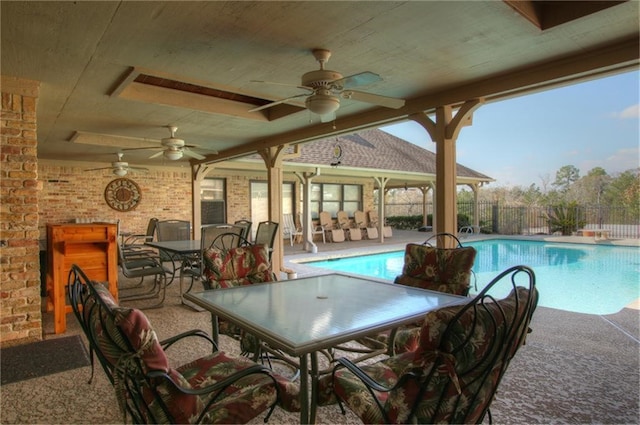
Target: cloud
{"points": [[623, 159], [632, 111]]}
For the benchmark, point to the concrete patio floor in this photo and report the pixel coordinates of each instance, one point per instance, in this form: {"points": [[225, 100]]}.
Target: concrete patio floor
{"points": [[574, 369]]}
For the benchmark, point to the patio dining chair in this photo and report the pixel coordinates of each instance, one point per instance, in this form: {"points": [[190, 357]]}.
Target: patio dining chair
{"points": [[135, 243], [266, 235], [426, 266], [172, 230], [246, 226], [215, 388], [142, 267], [237, 266], [454, 373], [192, 267]]}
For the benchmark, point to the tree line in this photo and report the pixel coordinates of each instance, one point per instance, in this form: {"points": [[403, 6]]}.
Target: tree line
{"points": [[596, 188]]}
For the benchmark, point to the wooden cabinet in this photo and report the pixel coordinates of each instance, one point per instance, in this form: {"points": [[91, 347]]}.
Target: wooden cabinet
{"points": [[90, 246]]}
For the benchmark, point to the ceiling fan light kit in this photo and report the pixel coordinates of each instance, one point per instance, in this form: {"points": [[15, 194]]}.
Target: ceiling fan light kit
{"points": [[322, 104], [172, 148], [120, 168], [173, 155]]}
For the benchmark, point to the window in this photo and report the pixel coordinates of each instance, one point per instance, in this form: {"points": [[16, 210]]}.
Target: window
{"points": [[212, 205], [212, 190], [334, 198]]}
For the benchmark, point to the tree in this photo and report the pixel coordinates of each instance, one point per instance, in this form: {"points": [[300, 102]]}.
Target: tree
{"points": [[589, 189], [624, 190], [565, 177]]}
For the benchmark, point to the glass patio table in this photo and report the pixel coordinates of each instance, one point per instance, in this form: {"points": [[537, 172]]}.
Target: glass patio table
{"points": [[303, 316]]}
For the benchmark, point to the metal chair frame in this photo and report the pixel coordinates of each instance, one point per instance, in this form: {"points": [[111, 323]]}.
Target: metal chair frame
{"points": [[209, 233], [172, 230], [246, 225], [459, 388], [266, 235], [141, 267], [135, 385]]}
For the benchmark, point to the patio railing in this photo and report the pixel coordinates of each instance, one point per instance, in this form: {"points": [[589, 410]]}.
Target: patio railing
{"points": [[507, 220]]}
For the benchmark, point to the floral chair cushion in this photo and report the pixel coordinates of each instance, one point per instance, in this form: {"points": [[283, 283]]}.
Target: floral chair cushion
{"points": [[244, 265], [466, 379], [240, 266], [437, 269], [443, 270]]}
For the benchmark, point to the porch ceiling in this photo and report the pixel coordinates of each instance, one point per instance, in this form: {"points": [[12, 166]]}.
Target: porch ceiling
{"points": [[115, 73]]}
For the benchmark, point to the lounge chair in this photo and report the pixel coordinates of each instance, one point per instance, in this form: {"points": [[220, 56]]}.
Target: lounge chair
{"points": [[387, 231], [352, 233], [336, 234], [290, 230], [360, 221], [468, 231]]}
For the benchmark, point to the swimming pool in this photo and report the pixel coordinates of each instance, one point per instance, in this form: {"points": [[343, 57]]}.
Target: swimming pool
{"points": [[592, 279]]}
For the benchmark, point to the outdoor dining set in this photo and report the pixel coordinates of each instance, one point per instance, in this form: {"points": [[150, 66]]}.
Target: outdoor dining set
{"points": [[420, 349]]}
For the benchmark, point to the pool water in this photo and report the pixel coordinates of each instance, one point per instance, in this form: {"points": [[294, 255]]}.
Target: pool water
{"points": [[592, 279]]}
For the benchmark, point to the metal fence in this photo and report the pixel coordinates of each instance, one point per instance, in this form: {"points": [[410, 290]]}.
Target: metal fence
{"points": [[506, 220]]}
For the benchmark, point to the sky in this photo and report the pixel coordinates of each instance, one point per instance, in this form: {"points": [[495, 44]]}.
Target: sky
{"points": [[527, 139]]}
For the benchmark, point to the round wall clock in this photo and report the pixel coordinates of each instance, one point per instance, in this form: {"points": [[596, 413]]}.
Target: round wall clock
{"points": [[122, 194]]}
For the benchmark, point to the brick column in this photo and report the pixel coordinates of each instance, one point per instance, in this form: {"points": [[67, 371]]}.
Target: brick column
{"points": [[20, 311]]}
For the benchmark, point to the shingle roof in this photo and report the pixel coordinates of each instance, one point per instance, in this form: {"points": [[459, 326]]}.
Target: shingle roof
{"points": [[378, 150]]}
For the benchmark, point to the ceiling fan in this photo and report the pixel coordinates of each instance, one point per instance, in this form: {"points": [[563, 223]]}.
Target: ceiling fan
{"points": [[173, 148], [325, 88], [120, 167]]}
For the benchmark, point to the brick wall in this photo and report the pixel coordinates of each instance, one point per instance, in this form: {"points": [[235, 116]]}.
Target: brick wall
{"points": [[20, 316], [69, 192]]}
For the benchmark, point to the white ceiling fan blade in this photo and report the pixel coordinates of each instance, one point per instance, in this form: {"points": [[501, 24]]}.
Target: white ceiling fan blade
{"points": [[157, 154], [277, 102], [376, 99], [283, 84], [97, 169], [140, 169], [356, 80], [192, 154], [141, 149]]}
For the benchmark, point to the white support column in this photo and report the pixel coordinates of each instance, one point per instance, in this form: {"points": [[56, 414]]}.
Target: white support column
{"points": [[307, 235]]}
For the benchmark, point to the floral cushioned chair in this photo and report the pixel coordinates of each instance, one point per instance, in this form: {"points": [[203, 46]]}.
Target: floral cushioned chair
{"points": [[215, 388], [453, 374], [244, 265], [446, 270]]}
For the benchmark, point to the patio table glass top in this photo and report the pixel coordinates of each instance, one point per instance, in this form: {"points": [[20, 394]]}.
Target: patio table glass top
{"points": [[304, 315]]}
